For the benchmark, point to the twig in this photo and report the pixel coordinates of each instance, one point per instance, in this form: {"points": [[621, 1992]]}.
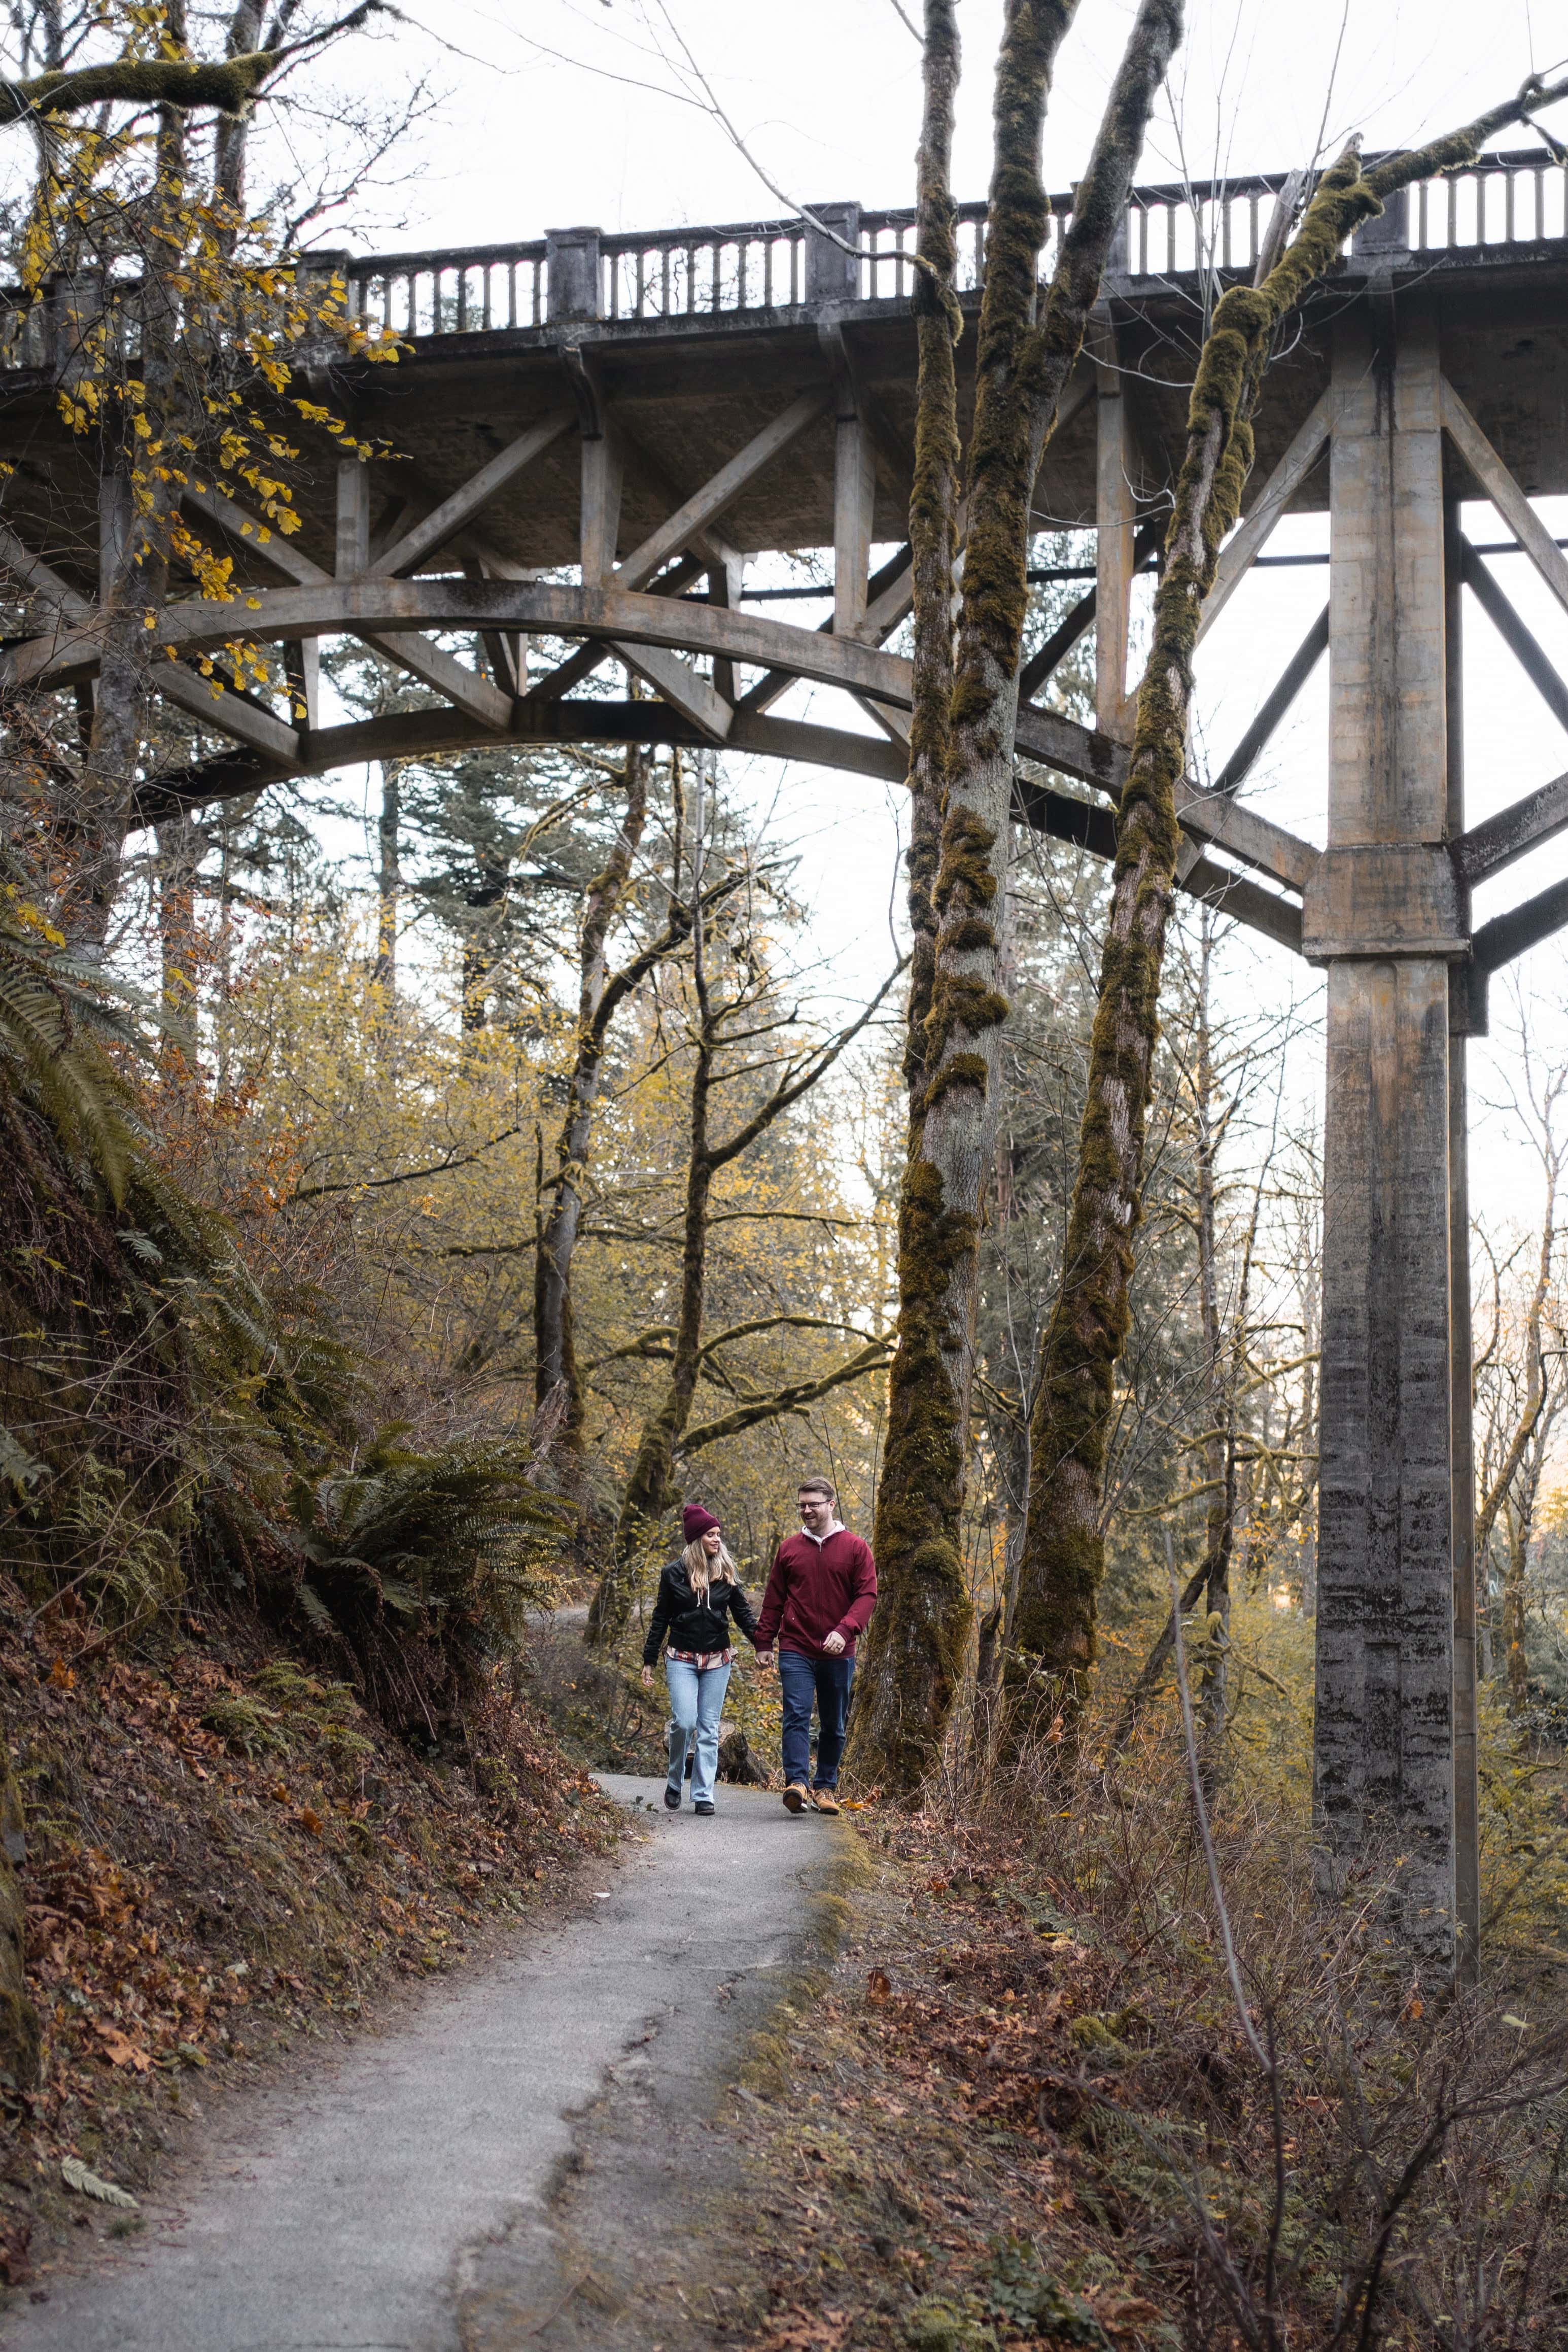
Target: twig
{"points": [[1232, 1966]]}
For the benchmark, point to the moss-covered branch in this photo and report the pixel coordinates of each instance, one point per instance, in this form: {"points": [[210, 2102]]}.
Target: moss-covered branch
{"points": [[189, 84], [1063, 1553], [872, 1358]]}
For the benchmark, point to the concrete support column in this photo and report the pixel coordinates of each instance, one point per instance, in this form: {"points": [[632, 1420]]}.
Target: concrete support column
{"points": [[854, 492], [353, 541], [1383, 916], [1461, 1399]]}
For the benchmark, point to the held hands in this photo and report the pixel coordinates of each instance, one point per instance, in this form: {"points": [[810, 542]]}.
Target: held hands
{"points": [[647, 1678], [765, 1657], [834, 1644]]}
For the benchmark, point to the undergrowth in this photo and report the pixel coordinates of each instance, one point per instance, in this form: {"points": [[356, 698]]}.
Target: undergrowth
{"points": [[1036, 2115]]}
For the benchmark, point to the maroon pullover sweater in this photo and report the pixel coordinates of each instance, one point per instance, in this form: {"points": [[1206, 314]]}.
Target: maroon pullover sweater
{"points": [[816, 1590]]}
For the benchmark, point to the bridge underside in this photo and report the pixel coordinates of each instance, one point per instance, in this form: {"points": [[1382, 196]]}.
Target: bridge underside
{"points": [[608, 484]]}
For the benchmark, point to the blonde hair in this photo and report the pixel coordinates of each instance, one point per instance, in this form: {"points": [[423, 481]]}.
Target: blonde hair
{"points": [[698, 1570]]}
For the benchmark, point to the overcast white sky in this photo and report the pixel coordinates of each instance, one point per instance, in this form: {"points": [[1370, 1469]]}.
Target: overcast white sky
{"points": [[551, 119]]}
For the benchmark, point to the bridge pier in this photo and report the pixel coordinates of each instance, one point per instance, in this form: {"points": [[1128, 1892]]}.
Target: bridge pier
{"points": [[1382, 913]]}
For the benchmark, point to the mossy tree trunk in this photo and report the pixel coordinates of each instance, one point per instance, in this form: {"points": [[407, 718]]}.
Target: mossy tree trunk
{"points": [[136, 504], [963, 756], [909, 1652], [1219, 1415], [388, 881], [1516, 1529], [599, 997], [1064, 1559], [19, 2032]]}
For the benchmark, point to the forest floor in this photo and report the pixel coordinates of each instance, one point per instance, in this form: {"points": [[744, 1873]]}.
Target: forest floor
{"points": [[231, 1866]]}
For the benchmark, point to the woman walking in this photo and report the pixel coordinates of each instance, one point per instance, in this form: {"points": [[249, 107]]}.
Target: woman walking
{"points": [[699, 1592]]}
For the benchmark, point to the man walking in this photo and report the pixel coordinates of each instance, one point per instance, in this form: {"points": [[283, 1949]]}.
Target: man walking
{"points": [[819, 1597]]}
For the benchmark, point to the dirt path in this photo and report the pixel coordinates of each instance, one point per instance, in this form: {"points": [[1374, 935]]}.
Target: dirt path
{"points": [[418, 2192]]}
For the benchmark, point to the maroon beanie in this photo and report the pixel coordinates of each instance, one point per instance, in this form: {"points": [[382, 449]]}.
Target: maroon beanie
{"points": [[695, 1522]]}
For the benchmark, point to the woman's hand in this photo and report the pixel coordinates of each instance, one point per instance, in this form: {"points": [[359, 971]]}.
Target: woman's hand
{"points": [[765, 1657], [647, 1678]]}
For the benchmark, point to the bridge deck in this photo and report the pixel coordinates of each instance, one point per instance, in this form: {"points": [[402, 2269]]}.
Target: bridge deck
{"points": [[701, 366]]}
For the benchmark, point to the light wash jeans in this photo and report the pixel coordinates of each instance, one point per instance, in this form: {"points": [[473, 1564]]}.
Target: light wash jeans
{"points": [[697, 1703]]}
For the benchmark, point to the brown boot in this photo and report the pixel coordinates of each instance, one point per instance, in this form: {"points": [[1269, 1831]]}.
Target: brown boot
{"points": [[795, 1798], [824, 1800]]}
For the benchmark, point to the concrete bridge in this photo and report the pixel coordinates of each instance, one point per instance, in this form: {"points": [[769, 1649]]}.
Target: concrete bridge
{"points": [[595, 434]]}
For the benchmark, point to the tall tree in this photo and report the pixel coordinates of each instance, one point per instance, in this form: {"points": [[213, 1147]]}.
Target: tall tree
{"points": [[963, 736], [601, 994]]}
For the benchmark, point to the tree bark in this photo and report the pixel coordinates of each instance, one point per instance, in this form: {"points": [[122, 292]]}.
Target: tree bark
{"points": [[1516, 1519], [389, 880], [555, 1359], [915, 1657], [913, 1651], [1064, 1548], [136, 505]]}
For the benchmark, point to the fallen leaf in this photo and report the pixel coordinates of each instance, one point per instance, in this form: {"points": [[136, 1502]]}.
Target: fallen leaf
{"points": [[119, 2051], [75, 2174], [878, 1987], [62, 1676], [310, 1819]]}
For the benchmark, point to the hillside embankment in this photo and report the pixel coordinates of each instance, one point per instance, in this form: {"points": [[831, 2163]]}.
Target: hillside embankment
{"points": [[230, 1862]]}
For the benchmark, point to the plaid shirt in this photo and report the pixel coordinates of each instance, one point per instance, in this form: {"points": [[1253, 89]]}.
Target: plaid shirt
{"points": [[703, 1659]]}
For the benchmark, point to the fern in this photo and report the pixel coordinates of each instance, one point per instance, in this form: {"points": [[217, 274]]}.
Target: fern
{"points": [[457, 1542]]}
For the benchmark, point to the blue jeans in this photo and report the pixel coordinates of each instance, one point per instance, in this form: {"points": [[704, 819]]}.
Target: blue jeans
{"points": [[828, 1680], [697, 1703]]}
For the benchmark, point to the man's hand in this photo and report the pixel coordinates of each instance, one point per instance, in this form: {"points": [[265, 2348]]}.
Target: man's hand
{"points": [[647, 1678], [834, 1645], [765, 1657]]}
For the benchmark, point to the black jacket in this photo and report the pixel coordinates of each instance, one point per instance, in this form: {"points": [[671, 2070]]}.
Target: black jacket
{"points": [[690, 1626]]}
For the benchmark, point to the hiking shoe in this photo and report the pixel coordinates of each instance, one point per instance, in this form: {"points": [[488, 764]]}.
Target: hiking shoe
{"points": [[795, 1798], [673, 1799], [702, 1806], [824, 1800]]}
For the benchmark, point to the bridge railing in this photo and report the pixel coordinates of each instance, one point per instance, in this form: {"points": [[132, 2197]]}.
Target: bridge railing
{"points": [[1172, 231], [742, 267]]}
